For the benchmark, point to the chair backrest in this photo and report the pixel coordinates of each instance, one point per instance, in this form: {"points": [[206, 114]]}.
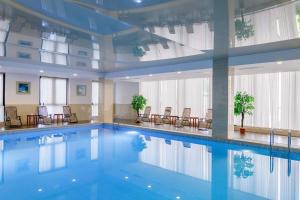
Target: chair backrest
{"points": [[168, 111], [43, 111], [11, 112], [147, 111], [208, 115], [186, 114], [67, 110]]}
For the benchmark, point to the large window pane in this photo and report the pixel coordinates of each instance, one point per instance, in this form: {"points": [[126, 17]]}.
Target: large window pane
{"points": [[53, 93]]}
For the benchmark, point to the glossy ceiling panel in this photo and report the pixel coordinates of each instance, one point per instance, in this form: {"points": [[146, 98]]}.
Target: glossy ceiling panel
{"points": [[119, 5], [112, 35], [74, 15]]}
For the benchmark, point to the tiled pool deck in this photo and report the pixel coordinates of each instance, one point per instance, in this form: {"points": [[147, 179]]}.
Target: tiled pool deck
{"points": [[257, 139]]}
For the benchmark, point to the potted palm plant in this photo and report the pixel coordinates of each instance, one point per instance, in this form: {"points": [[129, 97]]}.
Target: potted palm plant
{"points": [[243, 105], [138, 103]]}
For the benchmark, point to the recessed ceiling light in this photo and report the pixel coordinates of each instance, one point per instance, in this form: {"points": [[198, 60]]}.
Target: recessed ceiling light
{"points": [[42, 71], [179, 72], [279, 62], [150, 75], [75, 75], [138, 1], [127, 77]]}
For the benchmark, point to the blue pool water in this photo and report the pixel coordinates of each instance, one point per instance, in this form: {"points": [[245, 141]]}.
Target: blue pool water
{"points": [[100, 162]]}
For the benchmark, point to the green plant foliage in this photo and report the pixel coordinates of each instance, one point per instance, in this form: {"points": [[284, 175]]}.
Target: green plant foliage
{"points": [[138, 51], [243, 29], [243, 104], [243, 166], [138, 103]]}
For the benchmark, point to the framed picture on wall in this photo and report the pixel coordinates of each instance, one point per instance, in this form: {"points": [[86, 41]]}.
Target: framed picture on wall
{"points": [[23, 87], [81, 90]]}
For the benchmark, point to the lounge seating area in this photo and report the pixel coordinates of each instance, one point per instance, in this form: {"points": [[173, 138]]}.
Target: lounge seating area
{"points": [[42, 117], [178, 121]]}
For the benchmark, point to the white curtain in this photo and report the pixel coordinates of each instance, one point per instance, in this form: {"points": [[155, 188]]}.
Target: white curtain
{"points": [[194, 93], [277, 99], [53, 94], [1, 98]]}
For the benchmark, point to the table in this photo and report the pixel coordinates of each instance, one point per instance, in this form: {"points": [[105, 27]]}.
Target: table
{"points": [[32, 120], [194, 121], [172, 118], [58, 118]]}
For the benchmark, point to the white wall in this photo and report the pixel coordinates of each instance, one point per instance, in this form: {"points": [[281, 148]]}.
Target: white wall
{"points": [[124, 91], [73, 98], [11, 96]]}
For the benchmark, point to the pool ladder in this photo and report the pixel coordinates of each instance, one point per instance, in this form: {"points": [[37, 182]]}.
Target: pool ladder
{"points": [[272, 135], [116, 123], [272, 138]]}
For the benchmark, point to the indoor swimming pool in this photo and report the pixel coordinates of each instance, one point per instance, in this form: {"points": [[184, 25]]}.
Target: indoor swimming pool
{"points": [[114, 163]]}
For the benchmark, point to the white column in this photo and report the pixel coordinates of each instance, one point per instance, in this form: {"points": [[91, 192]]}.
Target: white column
{"points": [[221, 22]]}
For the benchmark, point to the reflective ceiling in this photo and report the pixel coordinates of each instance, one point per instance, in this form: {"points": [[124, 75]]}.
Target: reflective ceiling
{"points": [[110, 35]]}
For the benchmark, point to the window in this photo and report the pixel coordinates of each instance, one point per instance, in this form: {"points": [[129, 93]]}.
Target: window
{"points": [[53, 93], [95, 99]]}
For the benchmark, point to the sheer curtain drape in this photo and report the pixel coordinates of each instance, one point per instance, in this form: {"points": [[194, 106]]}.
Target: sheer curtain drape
{"points": [[194, 93], [277, 99]]}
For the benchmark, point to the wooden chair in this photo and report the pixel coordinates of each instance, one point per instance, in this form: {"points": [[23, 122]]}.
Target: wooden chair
{"points": [[69, 116], [11, 117]]}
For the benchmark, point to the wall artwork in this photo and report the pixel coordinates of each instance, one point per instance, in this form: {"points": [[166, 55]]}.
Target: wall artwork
{"points": [[81, 90], [23, 87]]}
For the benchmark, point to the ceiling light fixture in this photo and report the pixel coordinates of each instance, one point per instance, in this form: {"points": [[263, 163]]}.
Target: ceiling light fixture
{"points": [[42, 71], [138, 1], [179, 72], [75, 75], [150, 75], [127, 77], [279, 62]]}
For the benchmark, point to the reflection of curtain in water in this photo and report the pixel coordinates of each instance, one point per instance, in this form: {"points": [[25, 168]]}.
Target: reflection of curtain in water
{"points": [[276, 96], [1, 160], [52, 156], [276, 185], [94, 144], [194, 161]]}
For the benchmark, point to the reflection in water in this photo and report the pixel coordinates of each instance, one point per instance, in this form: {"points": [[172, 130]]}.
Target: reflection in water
{"points": [[194, 161], [52, 153], [94, 144], [124, 164]]}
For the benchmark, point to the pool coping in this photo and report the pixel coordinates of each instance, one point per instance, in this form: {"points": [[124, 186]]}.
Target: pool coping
{"points": [[173, 132], [210, 138]]}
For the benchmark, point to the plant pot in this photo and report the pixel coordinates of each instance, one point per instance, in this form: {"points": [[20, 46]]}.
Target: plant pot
{"points": [[242, 130], [138, 120]]}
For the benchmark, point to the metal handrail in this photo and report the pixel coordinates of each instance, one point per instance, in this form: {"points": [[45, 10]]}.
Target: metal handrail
{"points": [[289, 140], [272, 135]]}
